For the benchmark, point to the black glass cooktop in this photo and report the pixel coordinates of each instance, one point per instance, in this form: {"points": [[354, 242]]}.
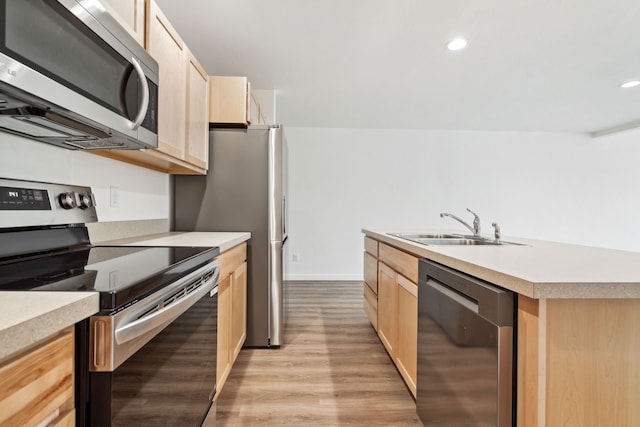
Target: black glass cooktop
{"points": [[121, 274]]}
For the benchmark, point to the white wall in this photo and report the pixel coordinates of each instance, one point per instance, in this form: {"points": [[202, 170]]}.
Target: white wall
{"points": [[143, 193], [551, 186]]}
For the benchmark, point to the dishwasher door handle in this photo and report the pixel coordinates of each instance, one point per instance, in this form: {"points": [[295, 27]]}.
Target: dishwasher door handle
{"points": [[463, 300]]}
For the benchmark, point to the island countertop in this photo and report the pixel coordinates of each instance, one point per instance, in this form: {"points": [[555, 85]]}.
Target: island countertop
{"points": [[535, 268]]}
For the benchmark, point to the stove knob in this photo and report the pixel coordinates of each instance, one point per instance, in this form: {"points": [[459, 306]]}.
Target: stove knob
{"points": [[67, 201], [85, 201]]}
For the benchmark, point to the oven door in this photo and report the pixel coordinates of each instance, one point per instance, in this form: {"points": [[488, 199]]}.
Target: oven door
{"points": [[168, 380]]}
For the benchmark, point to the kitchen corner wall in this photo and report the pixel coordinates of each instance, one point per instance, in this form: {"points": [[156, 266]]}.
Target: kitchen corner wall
{"points": [[550, 186], [141, 193]]}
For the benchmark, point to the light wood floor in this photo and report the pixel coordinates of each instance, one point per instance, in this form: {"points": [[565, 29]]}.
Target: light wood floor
{"points": [[332, 371]]}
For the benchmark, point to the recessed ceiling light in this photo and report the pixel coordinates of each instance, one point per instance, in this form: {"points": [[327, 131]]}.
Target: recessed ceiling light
{"points": [[632, 83], [456, 44]]}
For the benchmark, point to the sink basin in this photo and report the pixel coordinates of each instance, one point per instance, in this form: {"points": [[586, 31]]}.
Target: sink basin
{"points": [[458, 242], [449, 239], [413, 236]]}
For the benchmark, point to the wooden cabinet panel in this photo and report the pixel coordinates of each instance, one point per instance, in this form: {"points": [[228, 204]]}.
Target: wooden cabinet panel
{"points": [[231, 259], [402, 262], [130, 14], [166, 46], [232, 309], [592, 372], [407, 340], [371, 272], [396, 304], [239, 309], [371, 306], [229, 100], [197, 137], [223, 361], [387, 307], [38, 385], [371, 246], [528, 379]]}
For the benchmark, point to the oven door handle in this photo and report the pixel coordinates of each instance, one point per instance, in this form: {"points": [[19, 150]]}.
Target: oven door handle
{"points": [[161, 318]]}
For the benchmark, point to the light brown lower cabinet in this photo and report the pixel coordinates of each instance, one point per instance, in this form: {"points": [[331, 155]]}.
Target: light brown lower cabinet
{"points": [[406, 357], [36, 387], [391, 295], [387, 307], [371, 283], [232, 310]]}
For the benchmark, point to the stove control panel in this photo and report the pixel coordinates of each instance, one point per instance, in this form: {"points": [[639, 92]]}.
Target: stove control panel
{"points": [[30, 203]]}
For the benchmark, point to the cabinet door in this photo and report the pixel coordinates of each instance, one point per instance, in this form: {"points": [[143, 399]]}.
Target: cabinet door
{"points": [[38, 385], [197, 138], [223, 363], [229, 100], [407, 331], [387, 307], [239, 309], [166, 46], [371, 272], [130, 14]]}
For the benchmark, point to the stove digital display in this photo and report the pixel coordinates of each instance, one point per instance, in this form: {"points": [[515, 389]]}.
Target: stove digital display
{"points": [[24, 199]]}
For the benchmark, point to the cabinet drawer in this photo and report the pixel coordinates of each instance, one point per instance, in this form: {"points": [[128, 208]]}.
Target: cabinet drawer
{"points": [[402, 262], [38, 386], [371, 306], [371, 272], [371, 246], [231, 259]]}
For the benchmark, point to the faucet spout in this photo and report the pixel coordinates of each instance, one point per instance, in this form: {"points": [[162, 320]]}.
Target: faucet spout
{"points": [[476, 222]]}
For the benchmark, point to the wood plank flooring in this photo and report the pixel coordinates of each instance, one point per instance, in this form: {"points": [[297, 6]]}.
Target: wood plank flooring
{"points": [[332, 371]]}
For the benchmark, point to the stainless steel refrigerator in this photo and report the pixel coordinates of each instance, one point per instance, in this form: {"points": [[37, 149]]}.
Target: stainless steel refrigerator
{"points": [[245, 190]]}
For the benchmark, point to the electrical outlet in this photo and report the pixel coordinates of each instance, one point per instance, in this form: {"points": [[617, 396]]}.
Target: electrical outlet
{"points": [[114, 198], [294, 258]]}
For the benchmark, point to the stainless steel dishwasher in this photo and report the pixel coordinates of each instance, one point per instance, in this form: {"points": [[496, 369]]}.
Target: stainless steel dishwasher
{"points": [[465, 350]]}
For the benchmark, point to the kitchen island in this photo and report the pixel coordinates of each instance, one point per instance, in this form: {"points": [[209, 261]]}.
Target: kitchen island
{"points": [[578, 320]]}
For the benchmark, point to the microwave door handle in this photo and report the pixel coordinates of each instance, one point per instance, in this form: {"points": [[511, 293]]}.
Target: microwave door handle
{"points": [[142, 112]]}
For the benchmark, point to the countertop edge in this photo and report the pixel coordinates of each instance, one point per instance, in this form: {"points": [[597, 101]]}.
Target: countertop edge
{"points": [[53, 312], [225, 240]]}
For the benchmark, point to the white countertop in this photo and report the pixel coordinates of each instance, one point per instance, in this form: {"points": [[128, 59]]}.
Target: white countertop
{"points": [[224, 240], [28, 317], [538, 269]]}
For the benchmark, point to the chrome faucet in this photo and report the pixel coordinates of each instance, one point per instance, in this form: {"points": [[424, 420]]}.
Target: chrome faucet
{"points": [[476, 222]]}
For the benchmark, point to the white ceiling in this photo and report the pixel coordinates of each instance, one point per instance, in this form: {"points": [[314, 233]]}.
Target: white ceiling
{"points": [[545, 65]]}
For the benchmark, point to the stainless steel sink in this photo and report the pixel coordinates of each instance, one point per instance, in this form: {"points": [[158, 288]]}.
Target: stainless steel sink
{"points": [[458, 242], [450, 239], [412, 236]]}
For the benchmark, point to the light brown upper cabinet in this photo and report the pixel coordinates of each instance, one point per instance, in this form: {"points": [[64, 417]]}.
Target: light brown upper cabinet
{"points": [[130, 14], [166, 47], [229, 100], [183, 108], [197, 137]]}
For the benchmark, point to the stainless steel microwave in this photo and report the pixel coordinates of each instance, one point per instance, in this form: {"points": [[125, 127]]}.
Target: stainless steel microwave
{"points": [[71, 76]]}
